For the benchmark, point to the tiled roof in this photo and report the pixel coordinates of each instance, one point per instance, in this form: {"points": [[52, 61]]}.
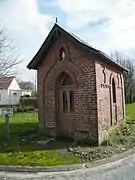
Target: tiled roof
{"points": [[5, 82]]}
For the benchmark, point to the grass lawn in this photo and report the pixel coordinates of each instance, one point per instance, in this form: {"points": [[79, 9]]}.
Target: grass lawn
{"points": [[130, 111], [26, 147]]}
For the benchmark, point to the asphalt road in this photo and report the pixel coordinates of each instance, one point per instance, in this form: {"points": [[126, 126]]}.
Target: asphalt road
{"points": [[119, 170]]}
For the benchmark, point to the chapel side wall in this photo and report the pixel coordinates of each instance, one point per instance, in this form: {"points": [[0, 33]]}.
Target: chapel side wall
{"points": [[106, 116]]}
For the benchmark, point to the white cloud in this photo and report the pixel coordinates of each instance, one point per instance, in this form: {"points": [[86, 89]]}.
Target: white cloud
{"points": [[106, 24], [117, 33], [22, 14], [25, 25]]}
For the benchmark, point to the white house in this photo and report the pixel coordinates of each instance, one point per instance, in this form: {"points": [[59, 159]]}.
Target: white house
{"points": [[10, 91]]}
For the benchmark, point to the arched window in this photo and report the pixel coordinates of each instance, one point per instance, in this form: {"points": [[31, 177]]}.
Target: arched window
{"points": [[104, 74], [66, 81], [121, 81], [118, 80], [67, 95], [62, 53], [114, 91]]}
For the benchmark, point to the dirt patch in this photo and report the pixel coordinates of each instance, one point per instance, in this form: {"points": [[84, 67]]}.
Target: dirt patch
{"points": [[121, 139]]}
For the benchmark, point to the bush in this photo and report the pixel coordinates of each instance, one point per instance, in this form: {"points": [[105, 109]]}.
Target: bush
{"points": [[19, 109], [125, 129], [28, 109], [24, 109], [25, 96], [26, 105], [29, 102], [118, 133]]}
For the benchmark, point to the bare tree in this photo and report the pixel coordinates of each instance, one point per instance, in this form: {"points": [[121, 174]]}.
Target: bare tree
{"points": [[34, 78], [9, 59], [28, 85], [129, 77]]}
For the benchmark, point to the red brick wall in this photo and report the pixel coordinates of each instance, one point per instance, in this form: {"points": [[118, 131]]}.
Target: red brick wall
{"points": [[106, 114], [81, 69]]}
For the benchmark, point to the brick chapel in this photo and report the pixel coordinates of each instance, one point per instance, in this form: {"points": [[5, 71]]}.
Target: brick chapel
{"points": [[80, 89]]}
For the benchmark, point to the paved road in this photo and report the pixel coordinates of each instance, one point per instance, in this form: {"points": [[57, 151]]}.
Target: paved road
{"points": [[121, 170]]}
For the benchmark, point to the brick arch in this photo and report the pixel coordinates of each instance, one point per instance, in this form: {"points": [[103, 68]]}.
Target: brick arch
{"points": [[56, 81], [112, 76], [55, 72], [114, 90], [111, 81], [64, 44], [121, 81], [65, 72], [49, 91], [122, 92], [68, 72], [118, 80], [58, 69]]}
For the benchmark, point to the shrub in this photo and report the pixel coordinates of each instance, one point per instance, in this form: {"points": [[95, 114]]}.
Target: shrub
{"points": [[25, 96], [29, 102], [24, 109], [19, 109], [125, 129], [118, 133]]}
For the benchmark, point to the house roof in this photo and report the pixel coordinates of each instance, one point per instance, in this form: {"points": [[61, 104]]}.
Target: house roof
{"points": [[5, 82], [84, 45]]}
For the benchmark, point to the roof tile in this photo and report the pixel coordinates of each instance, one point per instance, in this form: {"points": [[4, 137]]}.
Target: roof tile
{"points": [[5, 82]]}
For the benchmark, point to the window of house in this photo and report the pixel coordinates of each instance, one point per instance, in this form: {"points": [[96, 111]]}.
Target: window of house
{"points": [[15, 94], [113, 90], [104, 74], [65, 102], [66, 81], [118, 80], [121, 80], [67, 95], [62, 54], [68, 101]]}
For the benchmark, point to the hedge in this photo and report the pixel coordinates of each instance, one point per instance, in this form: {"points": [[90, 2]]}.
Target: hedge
{"points": [[29, 102]]}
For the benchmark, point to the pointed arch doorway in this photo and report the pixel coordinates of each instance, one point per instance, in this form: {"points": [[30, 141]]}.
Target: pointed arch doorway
{"points": [[66, 124]]}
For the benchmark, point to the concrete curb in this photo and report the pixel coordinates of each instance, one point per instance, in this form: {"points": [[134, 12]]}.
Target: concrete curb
{"points": [[36, 169], [41, 168]]}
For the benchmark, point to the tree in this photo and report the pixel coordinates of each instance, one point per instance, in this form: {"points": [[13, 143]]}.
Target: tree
{"points": [[34, 78], [9, 59], [129, 78], [28, 85]]}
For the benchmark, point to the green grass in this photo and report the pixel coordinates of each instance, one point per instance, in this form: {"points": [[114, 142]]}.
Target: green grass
{"points": [[20, 123], [36, 157], [130, 111], [25, 146]]}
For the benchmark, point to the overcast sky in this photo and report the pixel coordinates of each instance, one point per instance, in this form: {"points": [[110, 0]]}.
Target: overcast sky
{"points": [[105, 24]]}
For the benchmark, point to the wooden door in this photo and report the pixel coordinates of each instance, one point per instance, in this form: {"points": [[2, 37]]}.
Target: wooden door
{"points": [[66, 110]]}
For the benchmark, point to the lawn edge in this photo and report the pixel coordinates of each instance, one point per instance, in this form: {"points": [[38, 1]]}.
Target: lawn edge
{"points": [[72, 167]]}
